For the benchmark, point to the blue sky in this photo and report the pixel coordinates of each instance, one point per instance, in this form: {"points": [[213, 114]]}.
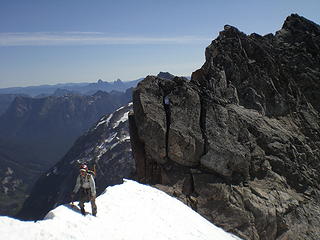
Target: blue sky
{"points": [[56, 41]]}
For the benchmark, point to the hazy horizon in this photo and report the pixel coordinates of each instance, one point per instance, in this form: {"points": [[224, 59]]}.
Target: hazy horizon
{"points": [[66, 83], [51, 42]]}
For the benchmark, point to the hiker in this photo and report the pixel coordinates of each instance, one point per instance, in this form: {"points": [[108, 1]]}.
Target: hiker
{"points": [[86, 184]]}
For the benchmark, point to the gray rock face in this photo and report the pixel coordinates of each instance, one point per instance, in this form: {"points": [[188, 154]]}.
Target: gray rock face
{"points": [[240, 142], [106, 145], [185, 143], [154, 126]]}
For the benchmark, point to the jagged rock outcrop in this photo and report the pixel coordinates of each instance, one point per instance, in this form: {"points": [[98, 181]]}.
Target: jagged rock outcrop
{"points": [[240, 142], [106, 145]]}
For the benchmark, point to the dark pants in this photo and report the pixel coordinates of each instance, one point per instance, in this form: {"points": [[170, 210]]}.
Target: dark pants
{"points": [[86, 196]]}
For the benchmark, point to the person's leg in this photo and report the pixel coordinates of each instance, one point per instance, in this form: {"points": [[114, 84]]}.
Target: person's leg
{"points": [[82, 201]]}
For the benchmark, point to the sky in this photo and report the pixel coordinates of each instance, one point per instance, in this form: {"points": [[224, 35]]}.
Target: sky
{"points": [[64, 41], [130, 211]]}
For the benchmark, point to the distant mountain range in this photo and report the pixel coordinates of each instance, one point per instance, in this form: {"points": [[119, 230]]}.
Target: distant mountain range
{"points": [[79, 88], [36, 132], [50, 125], [7, 95]]}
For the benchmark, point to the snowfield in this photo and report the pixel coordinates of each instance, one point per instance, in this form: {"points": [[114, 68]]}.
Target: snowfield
{"points": [[130, 211]]}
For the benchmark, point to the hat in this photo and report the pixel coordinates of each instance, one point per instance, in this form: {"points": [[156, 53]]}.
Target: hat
{"points": [[83, 167]]}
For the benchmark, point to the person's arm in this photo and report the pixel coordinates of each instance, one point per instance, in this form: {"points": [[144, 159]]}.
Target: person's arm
{"points": [[77, 186], [92, 186]]}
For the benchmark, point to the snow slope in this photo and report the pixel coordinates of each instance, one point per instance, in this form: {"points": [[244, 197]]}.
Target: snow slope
{"points": [[128, 211]]}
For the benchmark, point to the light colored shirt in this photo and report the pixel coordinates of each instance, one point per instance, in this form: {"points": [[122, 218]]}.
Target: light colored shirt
{"points": [[87, 182]]}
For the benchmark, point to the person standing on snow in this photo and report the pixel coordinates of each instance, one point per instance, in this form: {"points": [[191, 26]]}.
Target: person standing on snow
{"points": [[85, 183]]}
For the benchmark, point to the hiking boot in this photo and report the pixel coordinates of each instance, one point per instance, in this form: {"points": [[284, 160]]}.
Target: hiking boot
{"points": [[94, 208], [94, 212], [83, 212]]}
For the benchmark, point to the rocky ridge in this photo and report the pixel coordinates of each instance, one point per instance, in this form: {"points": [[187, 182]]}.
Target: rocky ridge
{"points": [[240, 142]]}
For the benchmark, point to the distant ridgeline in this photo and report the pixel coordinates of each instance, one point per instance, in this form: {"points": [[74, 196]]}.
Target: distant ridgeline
{"points": [[240, 141], [74, 88]]}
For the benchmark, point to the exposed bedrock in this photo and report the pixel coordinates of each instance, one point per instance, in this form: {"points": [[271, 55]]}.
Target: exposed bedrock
{"points": [[240, 142]]}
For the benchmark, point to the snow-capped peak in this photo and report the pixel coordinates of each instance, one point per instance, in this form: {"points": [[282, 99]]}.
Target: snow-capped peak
{"points": [[128, 211]]}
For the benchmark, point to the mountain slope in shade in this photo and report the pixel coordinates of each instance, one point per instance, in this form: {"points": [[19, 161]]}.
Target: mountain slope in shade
{"points": [[5, 101], [48, 126], [127, 211], [36, 133], [106, 145], [18, 172]]}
